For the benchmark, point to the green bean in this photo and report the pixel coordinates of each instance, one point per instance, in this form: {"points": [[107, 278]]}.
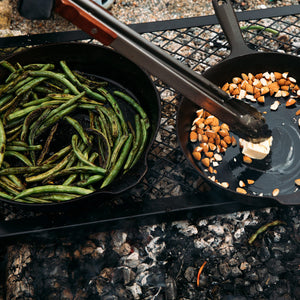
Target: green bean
{"points": [[5, 195], [66, 104], [102, 137], [52, 159], [59, 197], [5, 99], [24, 170], [23, 148], [79, 129], [29, 85], [115, 107], [33, 128], [7, 65], [59, 77], [90, 180], [264, 228], [23, 112], [10, 183], [70, 179], [116, 151], [81, 86], [143, 142], [53, 188], [54, 119], [8, 188], [47, 144], [78, 153], [134, 104], [39, 66], [2, 142], [89, 82], [79, 170], [29, 118], [104, 127], [117, 167], [48, 173], [38, 101], [20, 156], [113, 121], [14, 130], [136, 144]]}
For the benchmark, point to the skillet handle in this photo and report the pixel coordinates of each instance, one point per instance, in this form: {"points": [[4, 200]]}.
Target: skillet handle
{"points": [[230, 25]]}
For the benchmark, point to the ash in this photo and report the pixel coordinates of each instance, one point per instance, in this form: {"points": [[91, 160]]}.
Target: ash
{"points": [[162, 261]]}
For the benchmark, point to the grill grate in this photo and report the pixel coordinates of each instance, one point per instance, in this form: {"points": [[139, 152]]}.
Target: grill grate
{"points": [[199, 43]]}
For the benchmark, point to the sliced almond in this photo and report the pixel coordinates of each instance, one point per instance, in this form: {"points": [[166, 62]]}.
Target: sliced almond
{"points": [[242, 183], [218, 157], [275, 105], [275, 192], [225, 184]]}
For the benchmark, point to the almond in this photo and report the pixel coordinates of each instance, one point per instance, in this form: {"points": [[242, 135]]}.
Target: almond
{"points": [[298, 112], [261, 99], [250, 181], [225, 86], [290, 102], [227, 140], [193, 136], [205, 161], [209, 154], [297, 182], [241, 190], [264, 90], [233, 141], [197, 155], [247, 159]]}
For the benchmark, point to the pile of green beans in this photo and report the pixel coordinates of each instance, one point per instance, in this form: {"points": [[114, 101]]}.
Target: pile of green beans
{"points": [[37, 103]]}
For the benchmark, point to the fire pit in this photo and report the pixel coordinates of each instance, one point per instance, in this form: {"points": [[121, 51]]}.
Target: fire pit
{"points": [[150, 242]]}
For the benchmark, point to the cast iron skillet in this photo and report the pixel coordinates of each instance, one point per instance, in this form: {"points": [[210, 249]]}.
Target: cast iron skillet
{"points": [[282, 166], [108, 65]]}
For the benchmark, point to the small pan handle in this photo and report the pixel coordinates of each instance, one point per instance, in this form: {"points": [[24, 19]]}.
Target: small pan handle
{"points": [[230, 25]]}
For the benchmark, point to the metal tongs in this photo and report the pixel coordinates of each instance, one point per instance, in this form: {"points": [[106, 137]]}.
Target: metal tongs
{"points": [[243, 119]]}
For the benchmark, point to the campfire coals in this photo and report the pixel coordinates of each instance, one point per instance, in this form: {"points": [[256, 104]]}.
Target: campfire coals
{"points": [[163, 261]]}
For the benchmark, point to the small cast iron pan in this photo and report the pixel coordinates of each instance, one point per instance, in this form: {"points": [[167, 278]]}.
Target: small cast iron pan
{"points": [[106, 65], [282, 166]]}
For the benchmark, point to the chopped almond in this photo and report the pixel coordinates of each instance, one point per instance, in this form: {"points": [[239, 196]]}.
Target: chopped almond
{"points": [[290, 102]]}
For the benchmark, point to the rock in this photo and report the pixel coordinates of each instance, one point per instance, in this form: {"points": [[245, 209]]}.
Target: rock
{"points": [[224, 270]]}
